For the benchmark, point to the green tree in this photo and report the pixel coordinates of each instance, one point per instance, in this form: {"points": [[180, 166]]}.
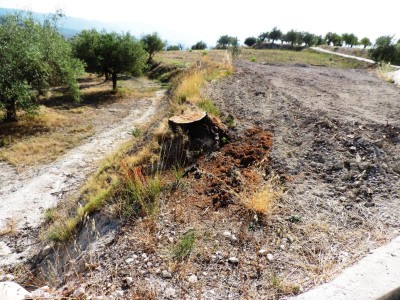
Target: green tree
{"points": [[309, 39], [173, 48], [263, 36], [365, 42], [320, 40], [110, 53], [152, 44], [224, 41], [337, 40], [333, 38], [349, 39], [199, 46], [384, 50], [250, 41], [85, 46], [275, 34], [121, 53], [292, 36], [34, 57]]}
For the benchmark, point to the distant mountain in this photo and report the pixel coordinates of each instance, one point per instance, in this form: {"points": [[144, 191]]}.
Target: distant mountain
{"points": [[69, 26]]}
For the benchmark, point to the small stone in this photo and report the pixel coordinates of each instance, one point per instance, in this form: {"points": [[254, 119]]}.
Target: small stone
{"points": [[166, 275], [227, 234], [129, 260], [129, 280], [170, 292], [6, 277], [262, 252], [270, 257], [396, 168], [233, 260], [46, 250], [4, 249], [193, 278], [144, 255], [98, 298], [78, 292], [119, 293]]}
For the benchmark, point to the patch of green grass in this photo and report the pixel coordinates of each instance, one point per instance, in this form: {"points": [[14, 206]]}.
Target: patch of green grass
{"points": [[142, 196], [185, 245], [136, 132], [308, 57], [50, 214], [208, 106]]}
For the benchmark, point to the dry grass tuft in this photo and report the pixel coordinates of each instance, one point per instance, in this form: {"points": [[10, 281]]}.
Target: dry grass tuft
{"points": [[265, 199], [10, 228], [190, 84]]}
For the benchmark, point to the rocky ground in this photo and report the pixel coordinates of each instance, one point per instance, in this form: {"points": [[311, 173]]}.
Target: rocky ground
{"points": [[326, 139]]}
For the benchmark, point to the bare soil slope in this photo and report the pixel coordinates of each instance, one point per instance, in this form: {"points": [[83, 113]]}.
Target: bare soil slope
{"points": [[336, 135]]}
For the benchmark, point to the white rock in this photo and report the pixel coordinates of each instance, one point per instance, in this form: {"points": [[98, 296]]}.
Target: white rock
{"points": [[78, 292], [12, 291], [4, 249], [233, 260], [166, 274], [6, 277], [119, 293], [193, 279], [262, 252], [270, 257], [129, 260], [170, 292], [129, 280], [227, 234]]}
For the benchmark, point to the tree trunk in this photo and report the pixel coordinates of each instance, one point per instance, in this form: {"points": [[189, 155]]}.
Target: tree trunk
{"points": [[11, 111], [114, 81]]}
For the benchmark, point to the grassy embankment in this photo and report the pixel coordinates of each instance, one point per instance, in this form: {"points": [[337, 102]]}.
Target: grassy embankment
{"points": [[120, 184]]}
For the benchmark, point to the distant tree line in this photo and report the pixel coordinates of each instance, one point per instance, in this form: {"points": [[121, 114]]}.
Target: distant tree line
{"points": [[385, 48]]}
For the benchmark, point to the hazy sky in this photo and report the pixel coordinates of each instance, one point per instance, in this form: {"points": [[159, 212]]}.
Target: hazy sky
{"points": [[190, 21]]}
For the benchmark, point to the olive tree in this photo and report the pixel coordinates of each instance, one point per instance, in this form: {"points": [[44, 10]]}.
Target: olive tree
{"points": [[110, 53], [34, 57], [275, 34], [250, 41], [384, 50], [365, 42], [152, 44], [199, 46], [292, 37]]}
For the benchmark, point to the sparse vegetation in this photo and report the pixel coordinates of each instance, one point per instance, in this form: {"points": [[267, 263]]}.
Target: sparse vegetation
{"points": [[309, 57], [185, 245]]}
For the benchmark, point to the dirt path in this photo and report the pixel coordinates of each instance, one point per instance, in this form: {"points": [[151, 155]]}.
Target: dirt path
{"points": [[348, 56], [25, 196], [337, 137]]}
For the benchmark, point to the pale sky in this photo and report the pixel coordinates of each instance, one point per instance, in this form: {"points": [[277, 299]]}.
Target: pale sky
{"points": [[191, 21]]}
